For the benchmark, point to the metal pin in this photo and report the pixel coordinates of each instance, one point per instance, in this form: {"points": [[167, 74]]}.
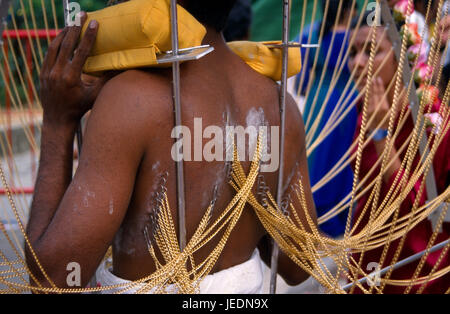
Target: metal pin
{"points": [[262, 189], [310, 46], [178, 122], [229, 170], [293, 45], [285, 205], [188, 49], [275, 250], [215, 194], [159, 201], [401, 263], [213, 201], [152, 218], [147, 238]]}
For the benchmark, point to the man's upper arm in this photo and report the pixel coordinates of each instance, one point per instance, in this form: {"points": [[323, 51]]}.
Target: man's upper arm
{"points": [[96, 201]]}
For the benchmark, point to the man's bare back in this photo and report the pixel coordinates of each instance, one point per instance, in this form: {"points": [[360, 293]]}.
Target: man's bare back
{"points": [[126, 150], [223, 91]]}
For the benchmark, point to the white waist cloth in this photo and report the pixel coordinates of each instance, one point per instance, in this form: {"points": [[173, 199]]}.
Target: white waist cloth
{"points": [[245, 278]]}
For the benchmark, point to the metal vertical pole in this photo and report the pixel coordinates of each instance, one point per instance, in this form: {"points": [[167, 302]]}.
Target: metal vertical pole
{"points": [[283, 93], [399, 264], [178, 122]]}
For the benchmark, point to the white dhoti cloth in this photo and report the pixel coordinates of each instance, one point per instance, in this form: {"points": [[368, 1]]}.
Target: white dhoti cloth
{"points": [[245, 278]]}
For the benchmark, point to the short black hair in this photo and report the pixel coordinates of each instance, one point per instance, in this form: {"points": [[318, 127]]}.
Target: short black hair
{"points": [[212, 13], [239, 21]]}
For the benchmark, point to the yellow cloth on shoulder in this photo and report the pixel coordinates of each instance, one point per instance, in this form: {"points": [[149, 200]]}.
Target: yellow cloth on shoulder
{"points": [[267, 60], [133, 33]]}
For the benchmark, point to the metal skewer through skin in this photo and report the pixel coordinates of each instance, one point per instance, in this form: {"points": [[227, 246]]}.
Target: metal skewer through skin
{"points": [[293, 45], [401, 263], [178, 121], [283, 93]]}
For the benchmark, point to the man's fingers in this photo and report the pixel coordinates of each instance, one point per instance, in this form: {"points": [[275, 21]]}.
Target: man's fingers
{"points": [[52, 53], [85, 47], [70, 42]]}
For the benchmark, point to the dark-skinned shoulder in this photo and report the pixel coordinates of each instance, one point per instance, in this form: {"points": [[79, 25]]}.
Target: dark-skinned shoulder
{"points": [[136, 87], [137, 99]]}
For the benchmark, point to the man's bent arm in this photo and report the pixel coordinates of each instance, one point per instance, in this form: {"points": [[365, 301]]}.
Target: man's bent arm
{"points": [[54, 176], [79, 224], [75, 221]]}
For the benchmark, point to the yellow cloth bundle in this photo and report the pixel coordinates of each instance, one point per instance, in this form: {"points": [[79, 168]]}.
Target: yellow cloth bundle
{"points": [[267, 60], [133, 33]]}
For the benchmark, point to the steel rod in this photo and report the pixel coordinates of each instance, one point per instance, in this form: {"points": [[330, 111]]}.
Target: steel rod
{"points": [[283, 93], [178, 123], [190, 48], [293, 45], [401, 263]]}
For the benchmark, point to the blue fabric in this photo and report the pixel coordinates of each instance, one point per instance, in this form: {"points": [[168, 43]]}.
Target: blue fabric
{"points": [[328, 153]]}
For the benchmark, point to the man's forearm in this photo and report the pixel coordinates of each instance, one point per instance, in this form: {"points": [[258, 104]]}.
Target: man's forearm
{"points": [[54, 176]]}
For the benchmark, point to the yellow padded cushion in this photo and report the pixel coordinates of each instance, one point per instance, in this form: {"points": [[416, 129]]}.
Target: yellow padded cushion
{"points": [[132, 33], [267, 60]]}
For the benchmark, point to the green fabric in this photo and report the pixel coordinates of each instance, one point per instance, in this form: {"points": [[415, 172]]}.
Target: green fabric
{"points": [[267, 20]]}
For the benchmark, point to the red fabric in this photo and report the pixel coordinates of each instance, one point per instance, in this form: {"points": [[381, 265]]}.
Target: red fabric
{"points": [[417, 239]]}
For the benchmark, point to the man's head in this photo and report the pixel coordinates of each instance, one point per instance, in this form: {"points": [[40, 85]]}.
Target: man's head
{"points": [[211, 13], [239, 21]]}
